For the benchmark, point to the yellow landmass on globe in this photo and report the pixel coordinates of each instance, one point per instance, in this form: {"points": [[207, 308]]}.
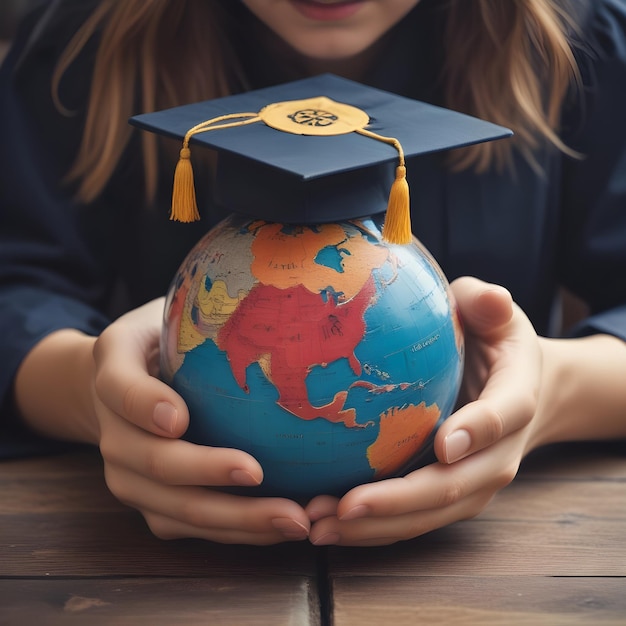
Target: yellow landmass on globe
{"points": [[188, 335], [214, 307], [402, 434]]}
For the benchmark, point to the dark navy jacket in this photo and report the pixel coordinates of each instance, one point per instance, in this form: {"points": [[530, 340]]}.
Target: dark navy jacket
{"points": [[65, 265]]}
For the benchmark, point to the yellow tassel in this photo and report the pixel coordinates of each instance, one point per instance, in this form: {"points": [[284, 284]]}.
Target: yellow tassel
{"points": [[184, 205], [397, 227]]}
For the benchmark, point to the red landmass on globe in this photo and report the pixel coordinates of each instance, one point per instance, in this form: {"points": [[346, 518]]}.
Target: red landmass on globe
{"points": [[290, 331]]}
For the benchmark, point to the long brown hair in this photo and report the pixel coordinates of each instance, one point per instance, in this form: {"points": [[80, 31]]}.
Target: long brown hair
{"points": [[501, 55]]}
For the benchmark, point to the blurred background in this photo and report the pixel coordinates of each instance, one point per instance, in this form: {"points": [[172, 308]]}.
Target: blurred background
{"points": [[11, 11]]}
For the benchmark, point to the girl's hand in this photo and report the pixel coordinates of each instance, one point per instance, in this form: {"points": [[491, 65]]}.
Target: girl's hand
{"points": [[479, 447], [149, 468]]}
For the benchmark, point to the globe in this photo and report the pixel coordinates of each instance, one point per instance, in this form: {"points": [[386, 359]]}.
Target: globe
{"points": [[328, 354]]}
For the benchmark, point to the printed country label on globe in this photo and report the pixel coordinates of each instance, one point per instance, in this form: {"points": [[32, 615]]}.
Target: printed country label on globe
{"points": [[326, 353]]}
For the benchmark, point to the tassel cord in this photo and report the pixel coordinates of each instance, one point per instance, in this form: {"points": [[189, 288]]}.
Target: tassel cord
{"points": [[211, 124], [392, 141], [184, 204]]}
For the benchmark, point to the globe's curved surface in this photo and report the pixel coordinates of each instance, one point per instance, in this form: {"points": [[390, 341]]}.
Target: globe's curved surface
{"points": [[326, 353]]}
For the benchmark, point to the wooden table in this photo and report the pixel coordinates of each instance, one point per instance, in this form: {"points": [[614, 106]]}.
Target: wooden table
{"points": [[550, 549]]}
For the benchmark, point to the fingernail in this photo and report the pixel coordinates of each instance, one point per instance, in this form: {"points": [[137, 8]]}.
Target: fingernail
{"points": [[360, 510], [456, 445], [327, 539], [243, 478], [165, 416], [290, 528]]}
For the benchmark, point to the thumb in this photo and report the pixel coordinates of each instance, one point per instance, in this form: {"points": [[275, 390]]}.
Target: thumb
{"points": [[123, 354], [484, 307]]}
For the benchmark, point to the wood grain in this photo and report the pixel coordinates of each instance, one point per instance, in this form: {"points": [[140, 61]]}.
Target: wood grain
{"points": [[478, 601], [71, 554], [228, 600], [550, 549], [57, 518]]}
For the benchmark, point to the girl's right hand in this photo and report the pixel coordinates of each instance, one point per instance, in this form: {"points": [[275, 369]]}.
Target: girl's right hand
{"points": [[147, 466]]}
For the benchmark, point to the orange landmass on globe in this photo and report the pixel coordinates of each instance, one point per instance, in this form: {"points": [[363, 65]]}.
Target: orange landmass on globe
{"points": [[286, 260], [403, 431]]}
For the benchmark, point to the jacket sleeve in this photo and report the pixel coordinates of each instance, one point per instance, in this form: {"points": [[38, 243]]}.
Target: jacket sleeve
{"points": [[593, 236], [52, 274]]}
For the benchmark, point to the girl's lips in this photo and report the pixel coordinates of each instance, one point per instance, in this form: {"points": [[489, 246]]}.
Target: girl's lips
{"points": [[325, 11]]}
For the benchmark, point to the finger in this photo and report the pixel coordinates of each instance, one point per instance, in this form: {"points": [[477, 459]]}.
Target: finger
{"points": [[375, 531], [174, 461], [507, 402], [435, 486], [123, 382], [482, 423], [429, 498], [511, 360], [321, 506], [167, 528], [174, 512]]}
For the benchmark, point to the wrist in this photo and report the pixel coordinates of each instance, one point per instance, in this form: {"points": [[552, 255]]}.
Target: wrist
{"points": [[53, 387], [583, 396]]}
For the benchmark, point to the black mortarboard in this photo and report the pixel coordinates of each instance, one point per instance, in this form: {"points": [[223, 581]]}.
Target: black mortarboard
{"points": [[321, 149]]}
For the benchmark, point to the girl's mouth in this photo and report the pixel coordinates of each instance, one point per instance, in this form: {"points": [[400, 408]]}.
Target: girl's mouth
{"points": [[327, 10]]}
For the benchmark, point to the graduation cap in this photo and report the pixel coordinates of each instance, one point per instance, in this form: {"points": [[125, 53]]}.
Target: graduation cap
{"points": [[321, 149]]}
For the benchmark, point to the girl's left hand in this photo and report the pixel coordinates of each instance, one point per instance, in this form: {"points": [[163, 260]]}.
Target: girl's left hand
{"points": [[479, 447]]}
